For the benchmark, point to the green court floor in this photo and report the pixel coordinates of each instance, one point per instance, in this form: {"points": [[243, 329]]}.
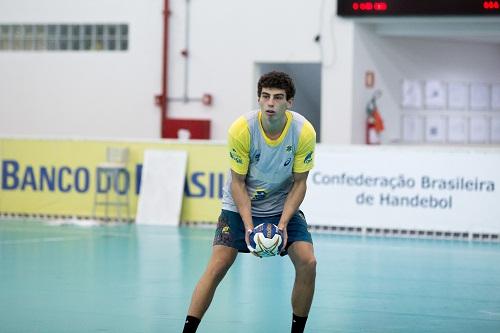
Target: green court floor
{"points": [[128, 278]]}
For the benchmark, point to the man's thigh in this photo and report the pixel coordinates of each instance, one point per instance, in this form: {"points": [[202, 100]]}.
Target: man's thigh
{"points": [[230, 231]]}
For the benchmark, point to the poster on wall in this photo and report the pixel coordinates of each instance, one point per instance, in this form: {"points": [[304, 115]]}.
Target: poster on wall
{"points": [[413, 129], [435, 94], [435, 127], [495, 129], [457, 129], [446, 189], [495, 97], [458, 96], [479, 96], [411, 94], [479, 129]]}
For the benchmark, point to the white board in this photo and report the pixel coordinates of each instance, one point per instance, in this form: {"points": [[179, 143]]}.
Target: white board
{"points": [[435, 94], [495, 97], [413, 129], [479, 96], [435, 127], [495, 129], [457, 129], [458, 98], [411, 94], [162, 186], [479, 129]]}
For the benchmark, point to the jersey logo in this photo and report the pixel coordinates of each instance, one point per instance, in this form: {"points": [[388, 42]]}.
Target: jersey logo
{"points": [[259, 194], [308, 158], [288, 161], [289, 148], [257, 157], [235, 156]]}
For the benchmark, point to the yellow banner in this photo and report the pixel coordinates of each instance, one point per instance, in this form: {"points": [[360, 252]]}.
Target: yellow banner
{"points": [[59, 178]]}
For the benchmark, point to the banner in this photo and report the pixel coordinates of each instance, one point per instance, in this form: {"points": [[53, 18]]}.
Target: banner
{"points": [[59, 178], [444, 189]]}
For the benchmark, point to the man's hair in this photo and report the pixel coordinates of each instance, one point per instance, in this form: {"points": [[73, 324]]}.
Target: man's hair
{"points": [[279, 80]]}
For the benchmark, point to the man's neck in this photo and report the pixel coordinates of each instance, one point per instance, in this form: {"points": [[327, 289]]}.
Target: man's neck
{"points": [[273, 128]]}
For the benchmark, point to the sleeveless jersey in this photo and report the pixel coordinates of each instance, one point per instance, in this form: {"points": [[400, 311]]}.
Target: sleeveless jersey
{"points": [[268, 164]]}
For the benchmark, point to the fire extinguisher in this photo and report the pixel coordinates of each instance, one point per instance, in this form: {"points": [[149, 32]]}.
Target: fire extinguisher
{"points": [[374, 121]]}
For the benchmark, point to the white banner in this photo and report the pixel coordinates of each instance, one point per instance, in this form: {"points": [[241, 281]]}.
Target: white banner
{"points": [[448, 189]]}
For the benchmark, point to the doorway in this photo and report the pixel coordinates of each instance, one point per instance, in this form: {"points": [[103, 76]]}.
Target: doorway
{"points": [[307, 79]]}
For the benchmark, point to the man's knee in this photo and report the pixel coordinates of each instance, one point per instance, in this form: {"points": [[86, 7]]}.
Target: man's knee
{"points": [[308, 265], [220, 263], [303, 258]]}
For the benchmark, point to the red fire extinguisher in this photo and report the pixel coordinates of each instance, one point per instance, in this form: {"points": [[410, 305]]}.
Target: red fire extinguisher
{"points": [[374, 121]]}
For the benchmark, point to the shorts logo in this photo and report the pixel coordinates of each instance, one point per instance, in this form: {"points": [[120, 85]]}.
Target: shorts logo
{"points": [[235, 156], [223, 232], [288, 161], [308, 158]]}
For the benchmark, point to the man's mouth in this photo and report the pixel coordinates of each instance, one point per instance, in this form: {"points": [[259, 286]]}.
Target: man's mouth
{"points": [[270, 112]]}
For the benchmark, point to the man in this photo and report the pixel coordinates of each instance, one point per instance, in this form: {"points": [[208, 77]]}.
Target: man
{"points": [[271, 153]]}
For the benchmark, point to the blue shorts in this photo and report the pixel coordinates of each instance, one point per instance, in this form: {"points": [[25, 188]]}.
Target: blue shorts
{"points": [[231, 231]]}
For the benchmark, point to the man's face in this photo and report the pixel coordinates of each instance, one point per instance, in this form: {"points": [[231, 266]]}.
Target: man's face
{"points": [[273, 103]]}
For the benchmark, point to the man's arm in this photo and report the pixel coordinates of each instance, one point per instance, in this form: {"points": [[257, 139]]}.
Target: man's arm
{"points": [[294, 199], [242, 201], [241, 198]]}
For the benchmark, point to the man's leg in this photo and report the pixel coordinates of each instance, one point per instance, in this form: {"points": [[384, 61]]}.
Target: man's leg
{"points": [[221, 260], [302, 256]]}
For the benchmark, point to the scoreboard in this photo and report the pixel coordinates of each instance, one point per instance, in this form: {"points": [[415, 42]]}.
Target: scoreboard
{"points": [[365, 8]]}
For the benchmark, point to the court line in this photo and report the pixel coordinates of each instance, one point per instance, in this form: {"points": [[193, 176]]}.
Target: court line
{"points": [[38, 240], [490, 313], [83, 232]]}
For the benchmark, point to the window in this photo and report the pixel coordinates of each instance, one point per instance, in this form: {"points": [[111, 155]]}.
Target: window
{"points": [[5, 37], [64, 37], [40, 37]]}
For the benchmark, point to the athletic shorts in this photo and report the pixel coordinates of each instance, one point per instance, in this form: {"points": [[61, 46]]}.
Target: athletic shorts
{"points": [[231, 231]]}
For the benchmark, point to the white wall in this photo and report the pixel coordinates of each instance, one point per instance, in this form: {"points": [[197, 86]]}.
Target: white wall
{"points": [[227, 40], [111, 94], [106, 94], [396, 58]]}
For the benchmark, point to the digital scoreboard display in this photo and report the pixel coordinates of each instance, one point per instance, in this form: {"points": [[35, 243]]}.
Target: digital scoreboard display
{"points": [[360, 8]]}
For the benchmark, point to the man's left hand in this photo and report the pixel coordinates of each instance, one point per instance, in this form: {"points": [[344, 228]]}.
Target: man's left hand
{"points": [[284, 237]]}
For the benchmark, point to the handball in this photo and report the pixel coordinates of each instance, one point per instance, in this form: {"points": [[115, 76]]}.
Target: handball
{"points": [[266, 240]]}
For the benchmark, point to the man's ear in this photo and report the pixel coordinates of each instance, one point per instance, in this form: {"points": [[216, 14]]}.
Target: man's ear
{"points": [[290, 102]]}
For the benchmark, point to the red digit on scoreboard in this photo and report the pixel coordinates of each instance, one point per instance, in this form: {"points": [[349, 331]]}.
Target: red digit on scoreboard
{"points": [[491, 5], [369, 6]]}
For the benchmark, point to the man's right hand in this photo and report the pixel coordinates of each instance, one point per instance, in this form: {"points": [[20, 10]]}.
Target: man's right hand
{"points": [[247, 240]]}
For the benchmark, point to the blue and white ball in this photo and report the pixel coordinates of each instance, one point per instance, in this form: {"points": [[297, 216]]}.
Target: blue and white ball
{"points": [[266, 239]]}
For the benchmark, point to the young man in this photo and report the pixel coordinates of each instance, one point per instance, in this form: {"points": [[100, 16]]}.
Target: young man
{"points": [[271, 153]]}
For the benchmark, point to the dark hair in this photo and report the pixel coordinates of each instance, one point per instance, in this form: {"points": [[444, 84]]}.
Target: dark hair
{"points": [[279, 80]]}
